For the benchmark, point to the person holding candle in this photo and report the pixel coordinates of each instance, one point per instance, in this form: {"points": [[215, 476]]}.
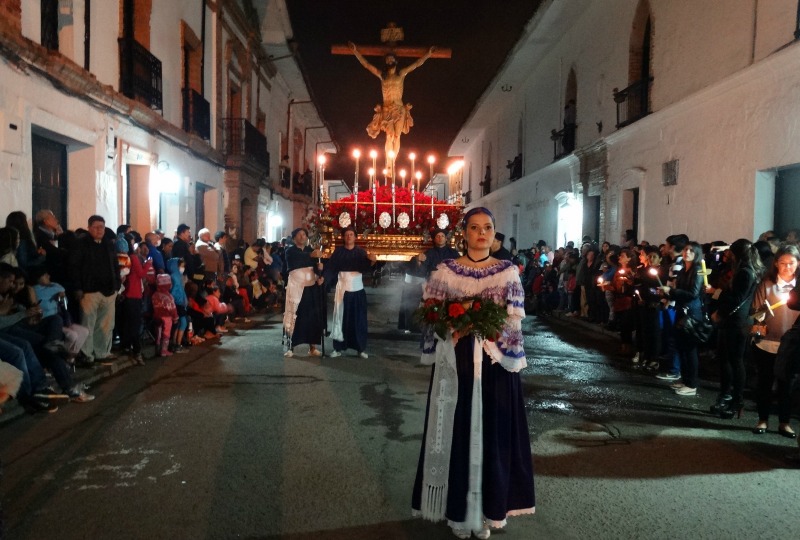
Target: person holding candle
{"points": [[621, 287], [687, 293], [774, 289], [732, 316]]}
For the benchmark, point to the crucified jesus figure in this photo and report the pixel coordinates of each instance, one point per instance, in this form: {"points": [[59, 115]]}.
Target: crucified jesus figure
{"points": [[393, 117]]}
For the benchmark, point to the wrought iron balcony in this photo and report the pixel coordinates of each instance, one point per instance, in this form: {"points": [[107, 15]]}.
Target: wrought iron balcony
{"points": [[241, 138], [563, 141], [633, 102], [196, 114], [140, 73]]}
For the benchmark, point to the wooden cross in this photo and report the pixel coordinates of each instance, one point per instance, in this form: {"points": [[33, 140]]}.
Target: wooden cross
{"points": [[391, 36]]}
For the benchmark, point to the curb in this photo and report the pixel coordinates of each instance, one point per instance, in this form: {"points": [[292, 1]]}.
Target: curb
{"points": [[105, 370]]}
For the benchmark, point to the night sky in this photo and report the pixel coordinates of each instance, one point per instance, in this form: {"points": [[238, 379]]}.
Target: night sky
{"points": [[443, 92]]}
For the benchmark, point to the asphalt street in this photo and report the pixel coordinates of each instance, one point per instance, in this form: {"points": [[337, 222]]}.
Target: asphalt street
{"points": [[235, 441]]}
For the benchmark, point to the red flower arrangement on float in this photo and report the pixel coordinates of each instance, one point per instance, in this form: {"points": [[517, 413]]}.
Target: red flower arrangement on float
{"points": [[369, 210], [476, 315]]}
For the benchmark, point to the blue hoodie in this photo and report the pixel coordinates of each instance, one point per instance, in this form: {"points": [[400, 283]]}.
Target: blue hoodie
{"points": [[177, 291]]}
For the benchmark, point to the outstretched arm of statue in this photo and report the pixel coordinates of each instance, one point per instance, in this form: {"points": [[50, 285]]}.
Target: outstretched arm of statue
{"points": [[369, 67], [421, 60]]}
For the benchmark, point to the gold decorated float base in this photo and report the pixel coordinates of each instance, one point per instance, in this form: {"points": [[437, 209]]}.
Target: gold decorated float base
{"points": [[390, 247]]}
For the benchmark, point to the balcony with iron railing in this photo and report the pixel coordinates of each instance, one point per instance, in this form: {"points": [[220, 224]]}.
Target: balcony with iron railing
{"points": [[633, 102], [196, 114], [140, 73], [563, 141], [241, 139]]}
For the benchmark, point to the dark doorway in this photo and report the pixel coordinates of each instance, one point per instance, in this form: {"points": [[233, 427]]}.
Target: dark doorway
{"points": [[49, 178], [199, 207], [787, 200]]}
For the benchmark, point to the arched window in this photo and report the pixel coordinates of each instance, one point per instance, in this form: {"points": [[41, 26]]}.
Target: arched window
{"points": [[633, 102]]}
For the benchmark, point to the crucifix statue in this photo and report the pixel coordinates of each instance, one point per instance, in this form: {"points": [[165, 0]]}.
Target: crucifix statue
{"points": [[393, 117]]}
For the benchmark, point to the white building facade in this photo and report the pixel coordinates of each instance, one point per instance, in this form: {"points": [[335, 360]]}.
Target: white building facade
{"points": [[683, 114], [150, 113]]}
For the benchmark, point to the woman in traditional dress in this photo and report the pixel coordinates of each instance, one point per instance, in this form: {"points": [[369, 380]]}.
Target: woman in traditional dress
{"points": [[303, 318], [349, 329], [475, 467]]}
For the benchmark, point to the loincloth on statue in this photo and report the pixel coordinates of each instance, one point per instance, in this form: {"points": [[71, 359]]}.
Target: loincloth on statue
{"points": [[389, 116]]}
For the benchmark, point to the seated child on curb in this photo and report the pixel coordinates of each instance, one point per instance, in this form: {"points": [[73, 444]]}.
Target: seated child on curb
{"points": [[51, 296], [165, 313], [219, 309]]}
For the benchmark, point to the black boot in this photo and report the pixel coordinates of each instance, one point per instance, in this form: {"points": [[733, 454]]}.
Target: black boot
{"points": [[722, 404]]}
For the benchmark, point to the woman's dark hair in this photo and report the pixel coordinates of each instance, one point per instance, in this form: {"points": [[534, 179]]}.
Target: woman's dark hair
{"points": [[8, 240], [19, 221], [764, 252], [474, 211], [697, 249], [747, 256], [786, 249], [297, 230]]}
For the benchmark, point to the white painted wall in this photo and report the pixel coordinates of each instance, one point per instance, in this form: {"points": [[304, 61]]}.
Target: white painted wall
{"points": [[725, 102]]}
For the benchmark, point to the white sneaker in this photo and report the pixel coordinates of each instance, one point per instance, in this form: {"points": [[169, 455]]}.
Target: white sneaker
{"points": [[462, 533], [288, 354], [335, 354], [635, 359], [686, 391], [362, 354]]}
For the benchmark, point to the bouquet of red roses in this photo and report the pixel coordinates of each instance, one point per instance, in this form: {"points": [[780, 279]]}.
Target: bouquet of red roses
{"points": [[475, 315]]}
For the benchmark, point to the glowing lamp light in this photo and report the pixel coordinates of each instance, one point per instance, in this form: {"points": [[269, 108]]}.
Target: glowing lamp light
{"points": [[373, 153], [168, 180], [431, 160], [412, 156], [356, 153], [321, 160]]}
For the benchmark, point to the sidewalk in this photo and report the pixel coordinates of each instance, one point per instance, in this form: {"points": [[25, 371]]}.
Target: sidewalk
{"points": [[107, 369]]}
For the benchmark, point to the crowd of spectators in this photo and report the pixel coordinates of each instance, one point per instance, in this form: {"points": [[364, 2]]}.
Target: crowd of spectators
{"points": [[76, 299], [744, 292]]}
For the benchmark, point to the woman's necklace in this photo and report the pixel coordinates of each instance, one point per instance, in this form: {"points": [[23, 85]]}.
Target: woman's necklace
{"points": [[478, 260]]}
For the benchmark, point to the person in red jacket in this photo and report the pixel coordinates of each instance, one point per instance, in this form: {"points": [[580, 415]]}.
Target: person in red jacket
{"points": [[130, 336], [165, 313]]}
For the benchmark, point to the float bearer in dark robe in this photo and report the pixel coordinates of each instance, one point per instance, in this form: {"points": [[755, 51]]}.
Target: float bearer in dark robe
{"points": [[349, 329], [303, 318]]}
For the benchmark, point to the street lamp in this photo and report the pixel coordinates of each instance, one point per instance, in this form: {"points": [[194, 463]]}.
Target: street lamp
{"points": [[356, 155], [403, 176]]}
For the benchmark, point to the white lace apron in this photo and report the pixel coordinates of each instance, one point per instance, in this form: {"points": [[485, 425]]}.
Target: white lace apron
{"points": [[347, 282], [299, 279], [439, 440]]}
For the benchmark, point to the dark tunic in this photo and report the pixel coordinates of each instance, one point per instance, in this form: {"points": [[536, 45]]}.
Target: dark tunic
{"points": [[435, 255], [411, 294], [310, 322], [354, 322]]}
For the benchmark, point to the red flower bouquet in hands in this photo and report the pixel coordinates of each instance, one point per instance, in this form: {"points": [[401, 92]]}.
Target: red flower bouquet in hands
{"points": [[474, 315]]}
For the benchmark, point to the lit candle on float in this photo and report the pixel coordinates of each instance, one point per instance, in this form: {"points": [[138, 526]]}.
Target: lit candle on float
{"points": [[412, 202], [374, 202]]}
